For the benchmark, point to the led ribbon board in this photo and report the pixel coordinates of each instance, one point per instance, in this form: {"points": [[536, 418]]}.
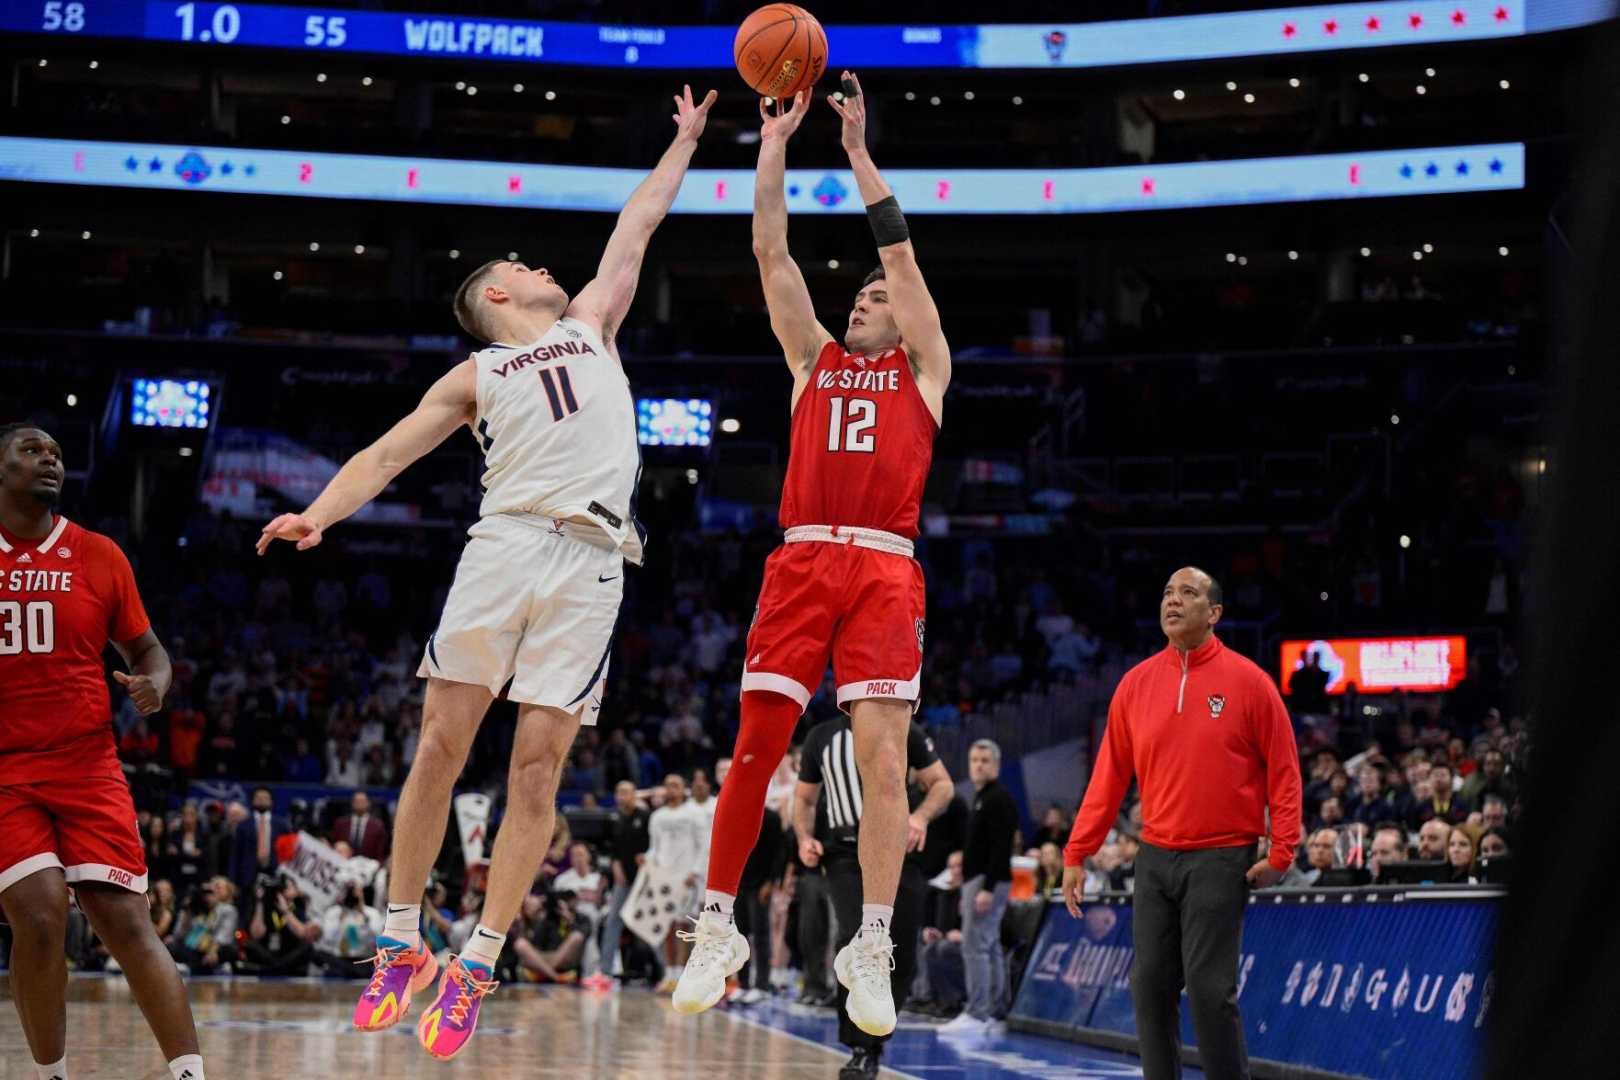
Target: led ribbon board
{"points": [[1272, 32], [1431, 171], [1380, 665]]}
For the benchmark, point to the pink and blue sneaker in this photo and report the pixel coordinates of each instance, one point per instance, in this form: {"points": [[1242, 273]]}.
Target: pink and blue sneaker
{"points": [[398, 972], [448, 1025]]}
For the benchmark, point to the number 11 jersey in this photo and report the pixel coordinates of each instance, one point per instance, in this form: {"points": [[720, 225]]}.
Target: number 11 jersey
{"points": [[862, 443], [62, 598]]}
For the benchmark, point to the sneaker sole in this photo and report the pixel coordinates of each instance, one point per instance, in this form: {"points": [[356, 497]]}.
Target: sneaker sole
{"points": [[692, 1008], [411, 988]]}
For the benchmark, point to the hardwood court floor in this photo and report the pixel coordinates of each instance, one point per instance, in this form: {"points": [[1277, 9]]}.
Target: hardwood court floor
{"points": [[296, 1029]]}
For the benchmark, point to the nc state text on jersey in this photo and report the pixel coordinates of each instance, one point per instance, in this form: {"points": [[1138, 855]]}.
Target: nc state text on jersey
{"points": [[38, 581], [849, 379]]}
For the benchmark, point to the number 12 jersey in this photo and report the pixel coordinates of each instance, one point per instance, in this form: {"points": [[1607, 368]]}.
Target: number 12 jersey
{"points": [[862, 443]]}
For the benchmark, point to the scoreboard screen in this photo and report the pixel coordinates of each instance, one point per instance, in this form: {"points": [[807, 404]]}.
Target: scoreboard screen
{"points": [[169, 403]]}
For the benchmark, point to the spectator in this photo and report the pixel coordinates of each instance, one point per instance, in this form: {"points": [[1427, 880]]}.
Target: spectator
{"points": [[939, 987], [1388, 845], [557, 859], [676, 841], [1372, 803], [188, 850], [1100, 868], [618, 760], [437, 918], [349, 930], [138, 745], [1442, 802], [987, 879], [223, 823], [342, 769], [1332, 813], [1307, 690], [1493, 844], [1054, 827], [1433, 840], [584, 881], [1049, 871], [552, 938], [303, 767], [1319, 856], [221, 755], [1460, 855], [365, 832], [628, 828], [1493, 814], [281, 936], [204, 940], [254, 851], [584, 774], [163, 909], [1491, 778], [158, 863], [186, 728]]}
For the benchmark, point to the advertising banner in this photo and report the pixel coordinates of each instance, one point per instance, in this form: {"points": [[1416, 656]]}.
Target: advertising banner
{"points": [[1380, 665], [1343, 982]]}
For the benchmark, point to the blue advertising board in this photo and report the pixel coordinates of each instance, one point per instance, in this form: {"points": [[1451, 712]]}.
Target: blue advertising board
{"points": [[1343, 982], [332, 30]]}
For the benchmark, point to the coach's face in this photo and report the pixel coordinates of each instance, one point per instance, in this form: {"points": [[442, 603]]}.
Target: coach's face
{"points": [[32, 466], [1185, 614]]}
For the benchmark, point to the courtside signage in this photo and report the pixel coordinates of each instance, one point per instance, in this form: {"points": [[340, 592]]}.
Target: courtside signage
{"points": [[1305, 178], [1381, 665], [1276, 31]]}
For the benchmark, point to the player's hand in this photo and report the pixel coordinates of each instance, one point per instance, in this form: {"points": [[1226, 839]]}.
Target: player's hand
{"points": [[1074, 883], [689, 118], [295, 527], [981, 903], [810, 851], [1262, 875], [916, 832], [779, 121], [853, 110], [141, 691]]}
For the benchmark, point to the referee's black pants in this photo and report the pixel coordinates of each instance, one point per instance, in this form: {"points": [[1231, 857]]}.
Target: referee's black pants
{"points": [[844, 878], [1187, 922]]}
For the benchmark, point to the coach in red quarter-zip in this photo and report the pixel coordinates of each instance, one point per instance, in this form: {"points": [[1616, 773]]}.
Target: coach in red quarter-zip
{"points": [[1207, 737]]}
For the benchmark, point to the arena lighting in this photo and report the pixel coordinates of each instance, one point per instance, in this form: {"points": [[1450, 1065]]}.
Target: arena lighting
{"points": [[1231, 86], [1395, 418], [285, 119], [1406, 541], [551, 95], [1417, 256], [911, 95], [94, 64], [691, 476], [461, 86], [967, 95], [517, 88], [1429, 72], [730, 425], [1421, 89], [1293, 256], [1179, 95], [1502, 251], [1294, 83], [1366, 252], [1323, 597], [1504, 84], [86, 235], [44, 62], [1248, 99], [320, 77], [1017, 100], [472, 91], [359, 249], [185, 451], [1243, 260], [314, 245], [934, 100], [511, 256], [455, 253], [1428, 249], [1363, 77], [832, 264], [277, 276], [366, 80], [34, 233], [72, 400], [951, 190], [1231, 257]]}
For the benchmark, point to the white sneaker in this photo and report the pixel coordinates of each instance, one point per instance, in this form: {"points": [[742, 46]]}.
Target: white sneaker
{"points": [[718, 952], [966, 1025], [863, 967], [754, 996]]}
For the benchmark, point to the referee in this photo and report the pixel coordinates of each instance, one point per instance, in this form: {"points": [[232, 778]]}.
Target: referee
{"points": [[1207, 737], [827, 773]]}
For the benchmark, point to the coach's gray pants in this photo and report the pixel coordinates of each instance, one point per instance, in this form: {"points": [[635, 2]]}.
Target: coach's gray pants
{"points": [[1187, 922], [984, 961], [612, 931]]}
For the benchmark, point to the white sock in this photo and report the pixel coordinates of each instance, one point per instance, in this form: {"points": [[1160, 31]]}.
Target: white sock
{"points": [[484, 947], [187, 1067], [875, 918], [718, 906], [404, 924], [52, 1072]]}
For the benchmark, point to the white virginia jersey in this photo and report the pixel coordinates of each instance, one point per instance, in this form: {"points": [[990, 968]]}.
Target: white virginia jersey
{"points": [[558, 430]]}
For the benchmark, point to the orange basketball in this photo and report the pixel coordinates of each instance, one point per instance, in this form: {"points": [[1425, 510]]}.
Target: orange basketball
{"points": [[780, 50]]}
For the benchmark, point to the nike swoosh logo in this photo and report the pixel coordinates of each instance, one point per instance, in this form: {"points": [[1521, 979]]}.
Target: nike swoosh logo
{"points": [[486, 933], [600, 579]]}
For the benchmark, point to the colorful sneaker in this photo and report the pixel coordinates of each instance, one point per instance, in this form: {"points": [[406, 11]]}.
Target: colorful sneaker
{"points": [[863, 966], [448, 1025], [398, 971], [718, 952]]}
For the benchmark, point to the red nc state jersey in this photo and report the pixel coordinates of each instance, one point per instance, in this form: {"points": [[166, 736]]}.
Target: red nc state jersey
{"points": [[863, 439], [61, 600]]}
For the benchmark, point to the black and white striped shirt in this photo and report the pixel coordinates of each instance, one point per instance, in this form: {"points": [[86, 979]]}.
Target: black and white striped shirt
{"points": [[828, 759]]}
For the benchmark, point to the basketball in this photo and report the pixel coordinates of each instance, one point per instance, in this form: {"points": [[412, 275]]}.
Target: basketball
{"points": [[780, 50]]}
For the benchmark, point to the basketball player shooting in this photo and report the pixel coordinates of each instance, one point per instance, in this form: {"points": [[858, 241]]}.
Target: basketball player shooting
{"points": [[538, 588], [844, 583], [66, 814]]}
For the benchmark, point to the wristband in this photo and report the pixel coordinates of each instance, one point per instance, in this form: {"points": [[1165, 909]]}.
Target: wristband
{"points": [[888, 223]]}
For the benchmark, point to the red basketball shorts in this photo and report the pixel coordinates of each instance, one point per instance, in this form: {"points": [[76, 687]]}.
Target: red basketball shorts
{"points": [[861, 608], [85, 827]]}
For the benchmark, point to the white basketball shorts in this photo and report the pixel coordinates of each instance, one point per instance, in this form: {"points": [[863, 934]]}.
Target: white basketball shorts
{"points": [[532, 611]]}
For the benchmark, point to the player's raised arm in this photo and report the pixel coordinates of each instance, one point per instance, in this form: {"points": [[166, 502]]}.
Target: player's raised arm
{"points": [[793, 317], [914, 310], [606, 299], [447, 405]]}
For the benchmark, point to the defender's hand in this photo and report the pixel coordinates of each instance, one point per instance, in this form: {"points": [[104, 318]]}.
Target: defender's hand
{"points": [[290, 527], [689, 118], [1262, 875], [784, 121], [141, 692], [853, 110]]}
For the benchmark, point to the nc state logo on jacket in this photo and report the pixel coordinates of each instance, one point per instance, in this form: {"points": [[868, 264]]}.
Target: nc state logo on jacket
{"points": [[1217, 703]]}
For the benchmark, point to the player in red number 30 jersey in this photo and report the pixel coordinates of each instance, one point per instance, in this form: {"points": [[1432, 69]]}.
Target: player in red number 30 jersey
{"points": [[66, 816], [844, 584]]}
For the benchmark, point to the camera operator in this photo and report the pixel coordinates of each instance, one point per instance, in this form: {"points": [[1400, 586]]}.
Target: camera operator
{"points": [[205, 940], [349, 930], [281, 936]]}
